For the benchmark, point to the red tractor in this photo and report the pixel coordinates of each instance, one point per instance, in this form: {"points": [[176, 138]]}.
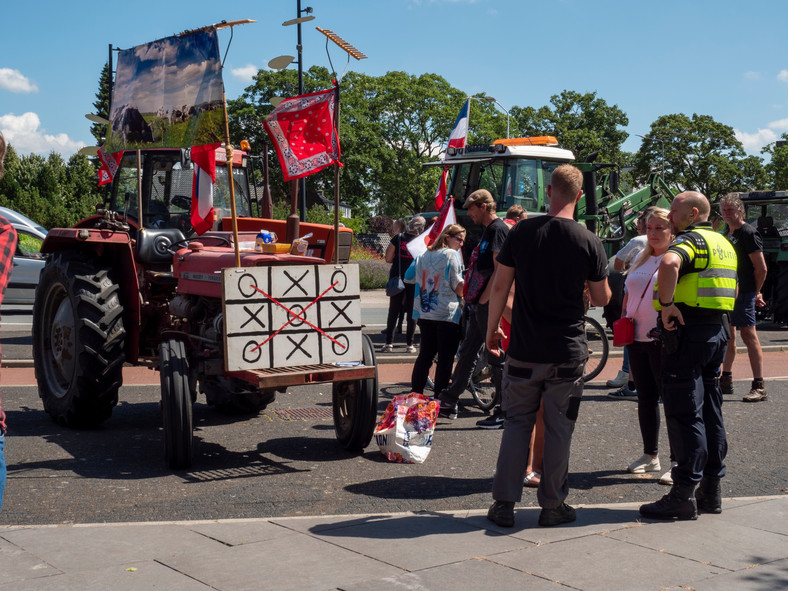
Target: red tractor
{"points": [[134, 285]]}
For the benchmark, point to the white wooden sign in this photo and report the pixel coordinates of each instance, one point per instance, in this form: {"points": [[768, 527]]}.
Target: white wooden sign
{"points": [[291, 315]]}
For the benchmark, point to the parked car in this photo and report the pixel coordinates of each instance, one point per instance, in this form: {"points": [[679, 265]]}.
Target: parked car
{"points": [[28, 260]]}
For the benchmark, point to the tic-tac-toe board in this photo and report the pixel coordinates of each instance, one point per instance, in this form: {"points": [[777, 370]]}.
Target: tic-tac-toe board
{"points": [[291, 316]]}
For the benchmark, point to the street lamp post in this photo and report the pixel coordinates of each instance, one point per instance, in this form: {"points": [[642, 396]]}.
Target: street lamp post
{"points": [[491, 99], [281, 62]]}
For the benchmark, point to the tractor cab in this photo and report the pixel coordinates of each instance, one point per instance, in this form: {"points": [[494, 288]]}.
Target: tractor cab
{"points": [[165, 178]]}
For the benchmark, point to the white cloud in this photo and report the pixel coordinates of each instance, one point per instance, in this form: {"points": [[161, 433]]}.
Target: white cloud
{"points": [[752, 75], [753, 142], [783, 76], [15, 81], [25, 134], [246, 73]]}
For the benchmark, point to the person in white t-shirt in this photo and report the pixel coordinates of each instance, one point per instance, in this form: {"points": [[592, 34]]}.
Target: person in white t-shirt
{"points": [[645, 354], [621, 262], [437, 274]]}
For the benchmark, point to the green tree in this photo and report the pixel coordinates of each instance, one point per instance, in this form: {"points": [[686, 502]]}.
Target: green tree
{"points": [[101, 105], [583, 123], [777, 169], [698, 153], [389, 126]]}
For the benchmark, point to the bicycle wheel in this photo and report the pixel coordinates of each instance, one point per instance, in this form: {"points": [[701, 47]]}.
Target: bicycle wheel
{"points": [[482, 389], [598, 348]]}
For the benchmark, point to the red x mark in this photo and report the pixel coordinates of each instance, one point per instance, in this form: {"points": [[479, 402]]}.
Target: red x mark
{"points": [[295, 316]]}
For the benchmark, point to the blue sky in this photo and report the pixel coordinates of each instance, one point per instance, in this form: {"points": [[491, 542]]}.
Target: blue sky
{"points": [[724, 59]]}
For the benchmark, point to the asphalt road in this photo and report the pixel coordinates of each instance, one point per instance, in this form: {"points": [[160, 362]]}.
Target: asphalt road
{"points": [[266, 466]]}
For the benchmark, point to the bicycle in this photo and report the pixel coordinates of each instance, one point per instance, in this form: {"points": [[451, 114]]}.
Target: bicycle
{"points": [[482, 388], [481, 385], [598, 348]]}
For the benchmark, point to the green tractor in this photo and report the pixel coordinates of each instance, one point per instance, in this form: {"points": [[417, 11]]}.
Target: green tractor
{"points": [[517, 171], [768, 212]]}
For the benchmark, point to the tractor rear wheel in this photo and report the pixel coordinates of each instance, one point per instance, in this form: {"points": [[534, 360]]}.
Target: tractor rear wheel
{"points": [[780, 294], [356, 405], [78, 338], [176, 405]]}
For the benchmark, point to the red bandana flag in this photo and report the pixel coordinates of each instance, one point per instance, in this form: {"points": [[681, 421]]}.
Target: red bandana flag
{"points": [[109, 165], [303, 133], [204, 159]]}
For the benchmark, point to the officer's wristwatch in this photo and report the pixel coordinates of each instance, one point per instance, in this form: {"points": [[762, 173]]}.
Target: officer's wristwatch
{"points": [[667, 305]]}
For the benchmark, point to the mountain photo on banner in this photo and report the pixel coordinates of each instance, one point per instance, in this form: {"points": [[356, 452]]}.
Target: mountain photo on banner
{"points": [[303, 132], [168, 94]]}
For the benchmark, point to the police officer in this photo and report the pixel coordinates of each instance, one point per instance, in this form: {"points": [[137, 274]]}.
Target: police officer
{"points": [[696, 285]]}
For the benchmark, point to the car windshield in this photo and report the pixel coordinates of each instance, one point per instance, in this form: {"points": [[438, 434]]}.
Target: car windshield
{"points": [[166, 186]]}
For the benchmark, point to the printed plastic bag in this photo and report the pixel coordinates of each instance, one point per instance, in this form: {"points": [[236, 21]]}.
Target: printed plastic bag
{"points": [[404, 432]]}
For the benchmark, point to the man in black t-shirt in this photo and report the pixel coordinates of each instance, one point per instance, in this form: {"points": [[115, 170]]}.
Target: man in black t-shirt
{"points": [[752, 273], [481, 209], [550, 259]]}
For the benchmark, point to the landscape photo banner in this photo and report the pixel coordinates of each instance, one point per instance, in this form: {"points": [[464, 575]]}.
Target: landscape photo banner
{"points": [[168, 94]]}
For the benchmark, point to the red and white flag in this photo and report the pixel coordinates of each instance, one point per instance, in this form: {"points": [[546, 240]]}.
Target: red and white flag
{"points": [[303, 132], [204, 159], [457, 139], [445, 218], [109, 165], [459, 134], [440, 194]]}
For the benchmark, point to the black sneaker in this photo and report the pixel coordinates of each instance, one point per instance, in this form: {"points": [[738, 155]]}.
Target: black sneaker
{"points": [[561, 514], [494, 421], [671, 506], [448, 412], [502, 513]]}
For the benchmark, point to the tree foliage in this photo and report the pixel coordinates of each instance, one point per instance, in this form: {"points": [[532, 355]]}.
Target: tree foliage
{"points": [[698, 153], [101, 105], [583, 123], [777, 169], [390, 125], [48, 190]]}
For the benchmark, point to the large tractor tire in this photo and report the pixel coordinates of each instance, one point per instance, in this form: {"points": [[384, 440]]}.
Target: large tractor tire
{"points": [[78, 338], [355, 406], [176, 405], [780, 294], [232, 396]]}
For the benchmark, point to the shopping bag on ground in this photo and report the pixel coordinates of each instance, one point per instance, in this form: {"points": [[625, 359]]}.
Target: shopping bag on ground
{"points": [[404, 432]]}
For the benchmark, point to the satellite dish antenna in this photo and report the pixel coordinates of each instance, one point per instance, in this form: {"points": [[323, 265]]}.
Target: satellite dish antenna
{"points": [[89, 151], [275, 100], [281, 62], [97, 119], [298, 21]]}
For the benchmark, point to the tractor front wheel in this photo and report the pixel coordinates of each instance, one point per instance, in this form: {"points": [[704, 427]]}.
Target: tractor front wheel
{"points": [[355, 406], [78, 338], [176, 405]]}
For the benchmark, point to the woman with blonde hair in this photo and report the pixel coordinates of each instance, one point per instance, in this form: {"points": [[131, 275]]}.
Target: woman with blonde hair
{"points": [[645, 353], [437, 274]]}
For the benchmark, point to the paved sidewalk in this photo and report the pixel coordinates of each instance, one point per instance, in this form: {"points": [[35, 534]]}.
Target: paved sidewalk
{"points": [[608, 547]]}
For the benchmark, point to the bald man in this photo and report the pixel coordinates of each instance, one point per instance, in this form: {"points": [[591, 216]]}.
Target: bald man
{"points": [[696, 285]]}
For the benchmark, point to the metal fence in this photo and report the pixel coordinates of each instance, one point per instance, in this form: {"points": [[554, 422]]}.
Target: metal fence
{"points": [[377, 242]]}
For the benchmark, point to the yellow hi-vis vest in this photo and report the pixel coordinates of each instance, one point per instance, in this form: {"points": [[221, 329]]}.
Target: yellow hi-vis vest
{"points": [[711, 283]]}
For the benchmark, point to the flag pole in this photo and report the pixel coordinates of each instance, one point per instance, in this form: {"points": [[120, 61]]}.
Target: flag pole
{"points": [[336, 182], [468, 127], [229, 153]]}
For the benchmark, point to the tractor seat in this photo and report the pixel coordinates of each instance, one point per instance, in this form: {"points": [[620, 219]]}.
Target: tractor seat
{"points": [[153, 245]]}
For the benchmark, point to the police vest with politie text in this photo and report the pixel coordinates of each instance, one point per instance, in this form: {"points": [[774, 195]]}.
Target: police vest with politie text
{"points": [[710, 283]]}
